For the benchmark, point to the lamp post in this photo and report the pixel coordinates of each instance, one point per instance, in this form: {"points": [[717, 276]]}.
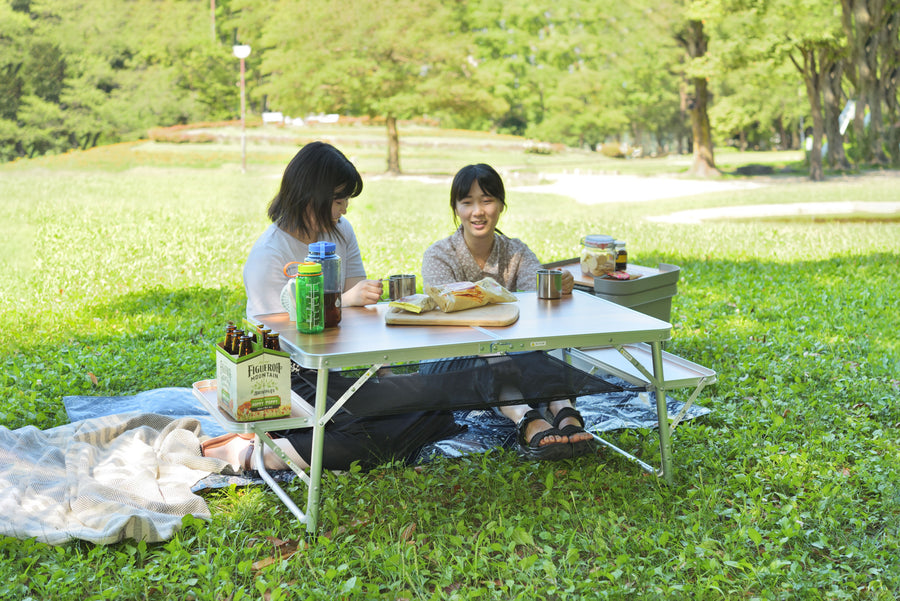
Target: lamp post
{"points": [[242, 51]]}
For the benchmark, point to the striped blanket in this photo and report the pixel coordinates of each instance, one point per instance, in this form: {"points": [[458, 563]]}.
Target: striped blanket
{"points": [[103, 479]]}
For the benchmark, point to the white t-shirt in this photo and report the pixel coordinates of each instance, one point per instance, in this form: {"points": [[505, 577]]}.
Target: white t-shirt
{"points": [[264, 270]]}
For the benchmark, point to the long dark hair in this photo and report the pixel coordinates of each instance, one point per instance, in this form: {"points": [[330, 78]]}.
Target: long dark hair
{"points": [[488, 179], [316, 176]]}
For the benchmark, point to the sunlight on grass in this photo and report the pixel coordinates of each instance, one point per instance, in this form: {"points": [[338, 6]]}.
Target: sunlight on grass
{"points": [[124, 262]]}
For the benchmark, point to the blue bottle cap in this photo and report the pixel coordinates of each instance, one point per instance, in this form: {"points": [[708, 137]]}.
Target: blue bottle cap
{"points": [[321, 249]]}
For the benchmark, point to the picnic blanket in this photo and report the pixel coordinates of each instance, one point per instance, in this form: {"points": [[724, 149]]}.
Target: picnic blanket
{"points": [[629, 408], [103, 480], [129, 467]]}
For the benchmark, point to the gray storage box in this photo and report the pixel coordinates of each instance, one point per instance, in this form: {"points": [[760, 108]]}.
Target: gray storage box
{"points": [[650, 294]]}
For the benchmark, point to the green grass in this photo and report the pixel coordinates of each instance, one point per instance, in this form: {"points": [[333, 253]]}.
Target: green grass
{"points": [[125, 263]]}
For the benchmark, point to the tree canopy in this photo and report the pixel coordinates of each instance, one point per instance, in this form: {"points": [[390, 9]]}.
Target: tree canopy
{"points": [[662, 75]]}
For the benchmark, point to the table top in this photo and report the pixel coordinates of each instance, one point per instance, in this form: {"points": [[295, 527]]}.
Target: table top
{"points": [[363, 337]]}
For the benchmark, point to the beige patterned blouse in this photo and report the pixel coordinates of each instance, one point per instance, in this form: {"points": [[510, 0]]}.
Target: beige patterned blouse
{"points": [[512, 264]]}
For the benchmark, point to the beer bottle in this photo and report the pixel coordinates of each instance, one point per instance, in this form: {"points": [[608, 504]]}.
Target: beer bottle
{"points": [[228, 345], [263, 336], [273, 341], [236, 341], [246, 346]]}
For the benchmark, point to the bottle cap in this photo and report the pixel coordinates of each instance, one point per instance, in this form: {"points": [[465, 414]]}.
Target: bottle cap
{"points": [[598, 241], [321, 249], [309, 268]]}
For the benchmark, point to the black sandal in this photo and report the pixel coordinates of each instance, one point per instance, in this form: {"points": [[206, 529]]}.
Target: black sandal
{"points": [[532, 449], [581, 447]]}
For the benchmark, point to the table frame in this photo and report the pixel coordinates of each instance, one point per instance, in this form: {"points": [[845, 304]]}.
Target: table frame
{"points": [[364, 339]]}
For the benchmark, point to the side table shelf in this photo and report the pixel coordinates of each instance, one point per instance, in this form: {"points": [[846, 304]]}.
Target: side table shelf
{"points": [[302, 413]]}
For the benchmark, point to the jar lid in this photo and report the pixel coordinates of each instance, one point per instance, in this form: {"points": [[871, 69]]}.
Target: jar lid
{"points": [[321, 249], [309, 268], [598, 241]]}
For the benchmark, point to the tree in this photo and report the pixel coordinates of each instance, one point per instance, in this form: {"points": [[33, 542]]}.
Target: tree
{"points": [[806, 35], [870, 27], [391, 59], [832, 98], [691, 35], [80, 72]]}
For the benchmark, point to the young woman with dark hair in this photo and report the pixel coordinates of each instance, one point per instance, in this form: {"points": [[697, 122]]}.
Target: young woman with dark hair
{"points": [[477, 249], [309, 207]]}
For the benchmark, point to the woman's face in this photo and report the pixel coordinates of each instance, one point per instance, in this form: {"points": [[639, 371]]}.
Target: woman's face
{"points": [[339, 208], [478, 212]]}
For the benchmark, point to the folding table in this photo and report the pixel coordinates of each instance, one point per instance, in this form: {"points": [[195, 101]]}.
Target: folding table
{"points": [[363, 339]]}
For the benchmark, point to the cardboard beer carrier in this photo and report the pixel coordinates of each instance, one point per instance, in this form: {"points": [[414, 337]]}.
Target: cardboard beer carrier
{"points": [[256, 386]]}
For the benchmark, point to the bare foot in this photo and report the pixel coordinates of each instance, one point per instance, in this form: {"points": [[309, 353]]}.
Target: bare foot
{"points": [[233, 450], [539, 425], [575, 436]]}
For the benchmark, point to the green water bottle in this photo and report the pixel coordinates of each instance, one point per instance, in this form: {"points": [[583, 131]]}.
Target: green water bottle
{"points": [[310, 298]]}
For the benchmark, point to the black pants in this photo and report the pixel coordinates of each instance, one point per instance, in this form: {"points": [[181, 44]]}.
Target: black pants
{"points": [[370, 440]]}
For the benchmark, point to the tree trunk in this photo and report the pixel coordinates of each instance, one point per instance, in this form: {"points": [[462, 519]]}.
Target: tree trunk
{"points": [[890, 79], [864, 25], [874, 41], [893, 112], [832, 96], [704, 165], [393, 158], [813, 81]]}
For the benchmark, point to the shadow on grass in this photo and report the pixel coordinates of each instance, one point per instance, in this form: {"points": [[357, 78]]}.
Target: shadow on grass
{"points": [[810, 338], [138, 341]]}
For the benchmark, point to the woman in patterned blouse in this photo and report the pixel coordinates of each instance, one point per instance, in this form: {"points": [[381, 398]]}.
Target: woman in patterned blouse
{"points": [[477, 249]]}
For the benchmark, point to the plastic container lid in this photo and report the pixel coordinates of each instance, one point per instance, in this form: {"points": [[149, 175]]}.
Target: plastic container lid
{"points": [[309, 268], [598, 241], [321, 249]]}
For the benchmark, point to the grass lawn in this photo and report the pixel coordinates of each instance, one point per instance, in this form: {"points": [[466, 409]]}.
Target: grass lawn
{"points": [[121, 265]]}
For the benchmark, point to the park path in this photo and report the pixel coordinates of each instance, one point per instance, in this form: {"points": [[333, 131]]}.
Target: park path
{"points": [[600, 189], [593, 189]]}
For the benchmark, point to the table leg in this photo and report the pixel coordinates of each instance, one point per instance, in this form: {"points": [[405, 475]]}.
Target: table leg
{"points": [[258, 452], [315, 463], [662, 414]]}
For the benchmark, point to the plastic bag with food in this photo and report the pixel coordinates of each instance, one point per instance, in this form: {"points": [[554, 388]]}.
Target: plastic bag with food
{"points": [[414, 303], [458, 296]]}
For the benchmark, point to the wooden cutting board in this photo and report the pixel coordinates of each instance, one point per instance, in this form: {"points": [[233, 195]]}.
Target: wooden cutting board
{"points": [[489, 315]]}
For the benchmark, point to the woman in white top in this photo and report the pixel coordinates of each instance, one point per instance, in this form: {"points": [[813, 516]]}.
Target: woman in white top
{"points": [[303, 213], [478, 249], [310, 206]]}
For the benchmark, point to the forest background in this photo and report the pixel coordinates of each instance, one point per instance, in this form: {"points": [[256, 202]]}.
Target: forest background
{"points": [[657, 75]]}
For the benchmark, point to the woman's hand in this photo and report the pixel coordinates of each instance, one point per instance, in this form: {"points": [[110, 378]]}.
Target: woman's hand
{"points": [[568, 282], [362, 292]]}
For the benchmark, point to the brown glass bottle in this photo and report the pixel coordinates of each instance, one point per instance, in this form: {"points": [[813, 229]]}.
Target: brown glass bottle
{"points": [[246, 346], [228, 345], [236, 341], [621, 256], [273, 341]]}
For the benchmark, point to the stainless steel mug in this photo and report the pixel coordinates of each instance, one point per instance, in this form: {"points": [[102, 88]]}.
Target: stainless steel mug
{"points": [[401, 285], [549, 283]]}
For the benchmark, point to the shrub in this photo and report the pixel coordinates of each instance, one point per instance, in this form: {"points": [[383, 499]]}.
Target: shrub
{"points": [[613, 150]]}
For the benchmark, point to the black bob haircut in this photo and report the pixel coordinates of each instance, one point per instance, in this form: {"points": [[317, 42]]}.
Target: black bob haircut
{"points": [[318, 175]]}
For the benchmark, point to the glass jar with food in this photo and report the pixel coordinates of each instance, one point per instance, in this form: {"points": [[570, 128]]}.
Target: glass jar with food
{"points": [[598, 255]]}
